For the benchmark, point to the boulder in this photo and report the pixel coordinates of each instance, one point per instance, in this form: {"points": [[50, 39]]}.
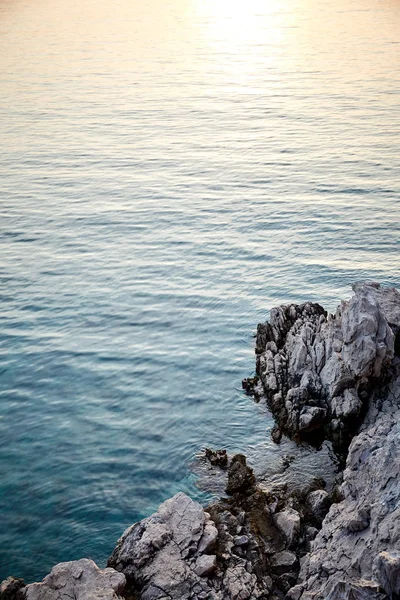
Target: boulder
{"points": [[289, 521], [318, 503], [80, 580]]}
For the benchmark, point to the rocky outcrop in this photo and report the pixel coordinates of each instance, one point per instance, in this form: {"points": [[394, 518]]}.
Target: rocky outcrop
{"points": [[185, 552], [360, 537], [324, 376], [318, 370], [247, 546]]}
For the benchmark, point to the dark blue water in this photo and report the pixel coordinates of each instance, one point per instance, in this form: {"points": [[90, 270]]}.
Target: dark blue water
{"points": [[168, 173]]}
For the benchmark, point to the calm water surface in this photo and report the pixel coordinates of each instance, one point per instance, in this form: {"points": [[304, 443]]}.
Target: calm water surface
{"points": [[169, 171]]}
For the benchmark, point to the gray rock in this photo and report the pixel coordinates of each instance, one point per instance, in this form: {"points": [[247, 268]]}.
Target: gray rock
{"points": [[387, 572], [205, 565], [284, 562], [288, 521], [160, 552], [80, 580], [241, 540], [238, 583], [318, 503], [315, 366], [311, 418], [357, 590], [208, 539], [360, 536]]}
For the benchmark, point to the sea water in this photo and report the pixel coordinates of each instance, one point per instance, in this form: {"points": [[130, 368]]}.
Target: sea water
{"points": [[169, 171]]}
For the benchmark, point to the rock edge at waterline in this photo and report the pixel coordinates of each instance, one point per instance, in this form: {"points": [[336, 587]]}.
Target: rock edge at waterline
{"points": [[324, 376]]}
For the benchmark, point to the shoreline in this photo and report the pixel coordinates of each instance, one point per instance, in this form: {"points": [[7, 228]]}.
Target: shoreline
{"points": [[324, 377]]}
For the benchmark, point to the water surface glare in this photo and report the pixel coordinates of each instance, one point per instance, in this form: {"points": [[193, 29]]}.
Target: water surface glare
{"points": [[169, 172]]}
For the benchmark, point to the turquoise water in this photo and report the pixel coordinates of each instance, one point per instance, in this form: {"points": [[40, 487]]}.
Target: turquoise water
{"points": [[169, 172]]}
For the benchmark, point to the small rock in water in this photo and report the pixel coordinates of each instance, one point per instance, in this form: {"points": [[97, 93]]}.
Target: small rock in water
{"points": [[241, 478], [249, 384], [218, 458]]}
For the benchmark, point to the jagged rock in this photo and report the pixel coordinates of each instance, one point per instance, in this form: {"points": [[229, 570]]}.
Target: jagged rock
{"points": [[241, 540], [288, 521], [241, 478], [284, 562], [249, 384], [360, 536], [155, 553], [209, 538], [238, 583], [205, 565], [357, 590], [12, 589], [80, 580], [323, 375], [387, 572], [318, 370], [311, 418], [218, 458], [318, 503]]}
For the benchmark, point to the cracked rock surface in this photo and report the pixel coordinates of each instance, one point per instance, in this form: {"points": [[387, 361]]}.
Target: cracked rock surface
{"points": [[318, 370], [360, 537], [173, 554], [78, 580]]}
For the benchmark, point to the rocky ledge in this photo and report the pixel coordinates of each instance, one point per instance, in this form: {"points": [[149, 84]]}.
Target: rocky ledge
{"points": [[323, 376]]}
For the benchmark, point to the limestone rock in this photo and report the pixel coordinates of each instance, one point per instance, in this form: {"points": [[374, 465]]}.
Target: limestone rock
{"points": [[358, 590], [284, 562], [205, 565], [360, 536], [80, 580], [155, 553], [318, 370]]}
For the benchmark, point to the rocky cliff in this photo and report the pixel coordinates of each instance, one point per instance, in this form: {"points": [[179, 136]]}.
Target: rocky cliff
{"points": [[323, 376]]}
